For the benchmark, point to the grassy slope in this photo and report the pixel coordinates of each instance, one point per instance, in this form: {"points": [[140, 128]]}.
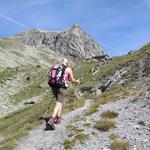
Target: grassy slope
{"points": [[35, 86], [115, 93], [19, 54], [17, 124], [9, 43], [83, 71], [7, 73], [118, 91]]}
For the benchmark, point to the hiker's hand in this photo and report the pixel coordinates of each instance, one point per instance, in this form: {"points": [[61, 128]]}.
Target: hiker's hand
{"points": [[78, 81]]}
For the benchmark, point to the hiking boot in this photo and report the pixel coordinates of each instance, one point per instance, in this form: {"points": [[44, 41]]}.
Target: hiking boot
{"points": [[49, 127], [57, 120], [50, 124]]}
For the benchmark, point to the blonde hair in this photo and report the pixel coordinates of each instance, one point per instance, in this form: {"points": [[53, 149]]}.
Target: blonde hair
{"points": [[65, 62]]}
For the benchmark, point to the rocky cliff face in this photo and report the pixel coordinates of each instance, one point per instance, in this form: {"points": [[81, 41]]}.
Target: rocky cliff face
{"points": [[45, 47], [73, 42]]}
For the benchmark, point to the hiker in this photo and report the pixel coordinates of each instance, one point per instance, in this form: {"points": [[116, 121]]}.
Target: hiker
{"points": [[59, 94]]}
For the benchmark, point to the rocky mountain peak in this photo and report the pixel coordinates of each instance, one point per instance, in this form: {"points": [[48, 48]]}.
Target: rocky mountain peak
{"points": [[76, 26], [74, 42]]}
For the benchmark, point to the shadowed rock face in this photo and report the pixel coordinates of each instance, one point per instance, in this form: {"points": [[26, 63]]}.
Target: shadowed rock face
{"points": [[73, 42]]}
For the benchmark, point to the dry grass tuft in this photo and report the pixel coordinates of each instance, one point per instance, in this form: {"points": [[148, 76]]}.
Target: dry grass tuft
{"points": [[119, 144], [113, 136], [109, 114], [105, 124], [91, 110], [69, 143]]}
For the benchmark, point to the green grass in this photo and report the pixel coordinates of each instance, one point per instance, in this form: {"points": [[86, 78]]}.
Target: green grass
{"points": [[75, 135], [71, 142], [87, 124], [118, 92], [39, 74], [81, 137], [87, 79], [10, 44], [45, 55], [83, 72], [17, 53], [74, 129], [17, 124], [104, 124], [71, 99], [91, 110], [94, 133], [115, 93], [78, 118], [109, 114], [119, 144], [7, 74], [28, 92], [35, 87], [141, 122]]}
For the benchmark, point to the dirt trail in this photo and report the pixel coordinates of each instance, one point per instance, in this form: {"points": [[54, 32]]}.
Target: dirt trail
{"points": [[38, 139]]}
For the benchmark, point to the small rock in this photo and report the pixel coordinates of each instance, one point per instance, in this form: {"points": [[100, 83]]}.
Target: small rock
{"points": [[136, 127], [38, 66], [27, 103], [28, 78]]}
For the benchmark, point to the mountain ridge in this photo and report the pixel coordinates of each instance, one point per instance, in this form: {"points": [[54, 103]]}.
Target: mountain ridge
{"points": [[73, 41], [45, 47]]}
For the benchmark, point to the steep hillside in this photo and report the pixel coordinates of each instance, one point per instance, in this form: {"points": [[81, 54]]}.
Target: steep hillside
{"points": [[124, 70], [119, 116], [24, 98], [15, 54], [120, 91]]}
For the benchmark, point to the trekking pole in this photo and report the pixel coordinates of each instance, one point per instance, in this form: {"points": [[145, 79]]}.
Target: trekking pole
{"points": [[44, 116], [75, 99]]}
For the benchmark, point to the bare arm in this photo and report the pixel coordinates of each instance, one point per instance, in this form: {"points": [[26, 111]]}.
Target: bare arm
{"points": [[71, 76]]}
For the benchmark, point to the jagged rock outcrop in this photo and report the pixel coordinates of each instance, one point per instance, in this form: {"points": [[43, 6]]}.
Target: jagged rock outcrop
{"points": [[39, 47], [73, 42]]}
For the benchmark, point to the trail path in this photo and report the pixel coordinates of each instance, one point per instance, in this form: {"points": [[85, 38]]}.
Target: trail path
{"points": [[38, 139], [127, 127]]}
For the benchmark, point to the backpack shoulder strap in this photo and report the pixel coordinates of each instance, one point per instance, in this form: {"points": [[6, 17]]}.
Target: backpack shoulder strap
{"points": [[63, 68]]}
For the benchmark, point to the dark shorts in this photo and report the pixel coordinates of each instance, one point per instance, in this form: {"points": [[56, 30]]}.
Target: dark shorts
{"points": [[59, 94]]}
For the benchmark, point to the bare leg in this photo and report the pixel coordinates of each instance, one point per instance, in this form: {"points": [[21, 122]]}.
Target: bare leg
{"points": [[57, 109], [60, 110]]}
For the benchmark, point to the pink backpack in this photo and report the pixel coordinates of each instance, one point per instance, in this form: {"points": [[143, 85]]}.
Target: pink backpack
{"points": [[56, 74]]}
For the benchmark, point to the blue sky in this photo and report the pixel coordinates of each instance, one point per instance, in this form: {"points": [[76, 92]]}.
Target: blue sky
{"points": [[117, 25]]}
